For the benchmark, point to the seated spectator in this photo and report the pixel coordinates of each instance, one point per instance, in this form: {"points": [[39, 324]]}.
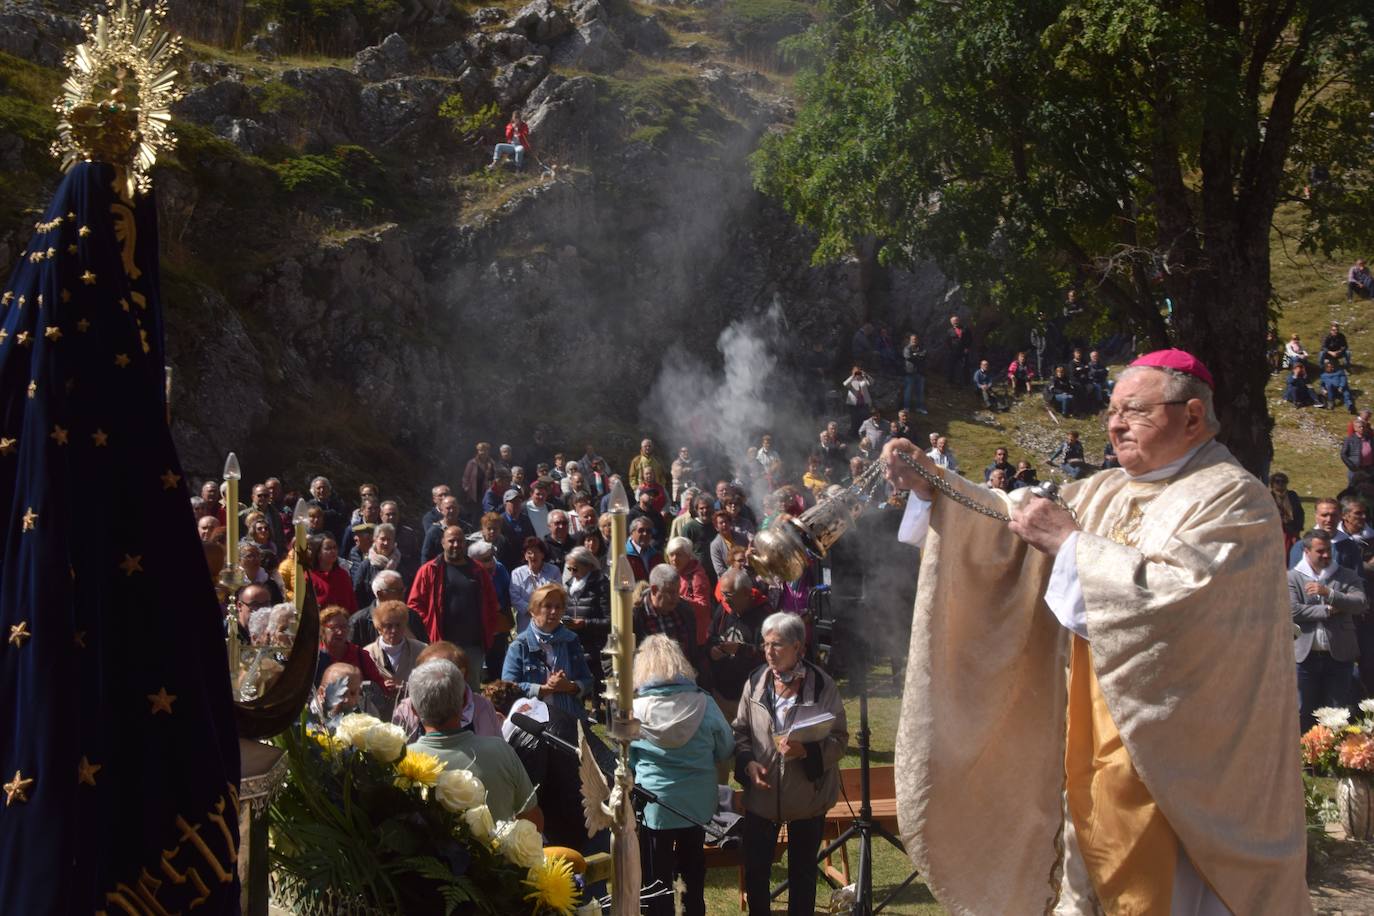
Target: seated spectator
{"points": [[1325, 599], [528, 578], [1273, 351], [1109, 459], [335, 647], [437, 691], [1294, 354], [329, 580], [517, 142], [1335, 347], [999, 460], [546, 660], [982, 381], [1060, 391], [1020, 374], [339, 691], [786, 782], [658, 609], [1069, 455], [734, 644], [1335, 385], [683, 736], [1359, 282], [640, 549], [1357, 452], [997, 480], [1098, 381], [478, 715], [387, 585], [1297, 392], [1024, 477], [942, 455]]}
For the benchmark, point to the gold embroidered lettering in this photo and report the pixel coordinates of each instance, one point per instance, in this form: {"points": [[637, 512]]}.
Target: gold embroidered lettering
{"points": [[190, 874], [218, 818], [128, 904], [148, 887], [191, 833]]}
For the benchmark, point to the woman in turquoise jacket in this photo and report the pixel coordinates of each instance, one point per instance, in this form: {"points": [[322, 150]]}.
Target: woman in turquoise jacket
{"points": [[684, 737]]}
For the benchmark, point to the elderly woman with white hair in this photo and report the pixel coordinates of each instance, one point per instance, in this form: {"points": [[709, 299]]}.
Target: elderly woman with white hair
{"points": [[683, 736], [788, 779], [695, 588]]}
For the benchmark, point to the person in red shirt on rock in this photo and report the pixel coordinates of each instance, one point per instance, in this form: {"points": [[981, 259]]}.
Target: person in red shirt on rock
{"points": [[517, 142]]}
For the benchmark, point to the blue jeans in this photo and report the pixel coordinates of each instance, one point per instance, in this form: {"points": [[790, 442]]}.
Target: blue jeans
{"points": [[1323, 681], [510, 149], [914, 384], [1065, 402], [1336, 391]]}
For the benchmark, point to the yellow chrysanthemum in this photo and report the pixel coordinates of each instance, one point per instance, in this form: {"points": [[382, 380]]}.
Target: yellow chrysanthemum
{"points": [[327, 742], [418, 769], [554, 888]]}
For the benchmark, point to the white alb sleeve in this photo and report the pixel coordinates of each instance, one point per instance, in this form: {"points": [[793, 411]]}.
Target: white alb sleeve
{"points": [[1064, 594], [915, 521]]}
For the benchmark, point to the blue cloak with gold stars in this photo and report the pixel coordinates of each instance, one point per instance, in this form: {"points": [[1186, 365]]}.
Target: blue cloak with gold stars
{"points": [[118, 753]]}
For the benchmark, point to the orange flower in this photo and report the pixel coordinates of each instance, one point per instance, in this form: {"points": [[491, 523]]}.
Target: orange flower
{"points": [[1357, 753], [1317, 743]]}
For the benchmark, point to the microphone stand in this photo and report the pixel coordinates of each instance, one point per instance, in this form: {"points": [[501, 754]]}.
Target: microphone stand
{"points": [[648, 796]]}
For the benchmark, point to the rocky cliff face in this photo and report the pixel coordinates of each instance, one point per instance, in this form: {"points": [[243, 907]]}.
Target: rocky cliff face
{"points": [[348, 288]]}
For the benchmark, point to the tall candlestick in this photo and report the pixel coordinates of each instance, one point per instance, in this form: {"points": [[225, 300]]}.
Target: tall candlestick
{"points": [[622, 617], [297, 556], [232, 475]]}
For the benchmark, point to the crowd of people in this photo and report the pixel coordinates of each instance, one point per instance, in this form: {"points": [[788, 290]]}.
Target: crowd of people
{"points": [[1331, 366], [497, 601]]}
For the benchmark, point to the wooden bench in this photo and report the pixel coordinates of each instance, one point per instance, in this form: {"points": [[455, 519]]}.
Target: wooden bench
{"points": [[882, 786]]}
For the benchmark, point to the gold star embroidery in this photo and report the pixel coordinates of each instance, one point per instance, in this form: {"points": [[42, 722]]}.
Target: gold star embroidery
{"points": [[72, 249], [121, 360], [21, 302], [82, 325], [7, 446], [84, 231], [33, 388], [18, 633], [100, 437], [124, 304], [169, 480], [17, 789], [53, 332], [71, 214], [7, 298], [3, 335], [79, 637], [132, 564], [85, 771], [30, 519], [52, 252], [162, 701], [58, 435], [22, 338], [66, 296], [40, 300], [88, 278]]}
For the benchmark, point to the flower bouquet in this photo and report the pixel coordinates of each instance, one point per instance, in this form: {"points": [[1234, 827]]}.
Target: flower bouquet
{"points": [[367, 825], [1345, 749]]}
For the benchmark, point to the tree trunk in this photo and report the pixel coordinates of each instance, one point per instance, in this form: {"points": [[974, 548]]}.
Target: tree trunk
{"points": [[1221, 317]]}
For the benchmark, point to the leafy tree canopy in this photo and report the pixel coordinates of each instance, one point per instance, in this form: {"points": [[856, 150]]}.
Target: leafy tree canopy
{"points": [[1135, 149]]}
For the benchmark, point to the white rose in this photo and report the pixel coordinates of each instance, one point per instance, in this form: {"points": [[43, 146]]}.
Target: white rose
{"points": [[384, 741], [520, 842], [351, 727], [459, 790], [479, 822], [1333, 717]]}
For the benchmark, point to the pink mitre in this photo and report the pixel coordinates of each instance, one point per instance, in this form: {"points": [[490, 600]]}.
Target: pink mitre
{"points": [[1180, 360]]}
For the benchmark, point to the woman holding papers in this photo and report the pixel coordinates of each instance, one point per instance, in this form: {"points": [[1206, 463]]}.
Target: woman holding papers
{"points": [[789, 738]]}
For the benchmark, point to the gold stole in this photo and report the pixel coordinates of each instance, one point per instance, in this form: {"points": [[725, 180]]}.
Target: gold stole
{"points": [[1128, 846]]}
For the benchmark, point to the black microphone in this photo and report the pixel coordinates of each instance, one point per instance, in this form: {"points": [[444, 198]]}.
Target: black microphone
{"points": [[540, 731]]}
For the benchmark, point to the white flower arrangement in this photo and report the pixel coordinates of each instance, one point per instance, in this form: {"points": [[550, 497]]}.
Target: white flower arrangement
{"points": [[480, 822], [459, 791], [352, 726], [520, 842], [384, 741], [1333, 717]]}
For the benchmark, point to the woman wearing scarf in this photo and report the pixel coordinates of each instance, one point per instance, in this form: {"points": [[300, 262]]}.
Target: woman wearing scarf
{"points": [[786, 781], [478, 716], [383, 554], [546, 660]]}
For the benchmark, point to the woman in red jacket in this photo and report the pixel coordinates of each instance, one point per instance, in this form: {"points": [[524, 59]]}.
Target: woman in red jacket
{"points": [[331, 581]]}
